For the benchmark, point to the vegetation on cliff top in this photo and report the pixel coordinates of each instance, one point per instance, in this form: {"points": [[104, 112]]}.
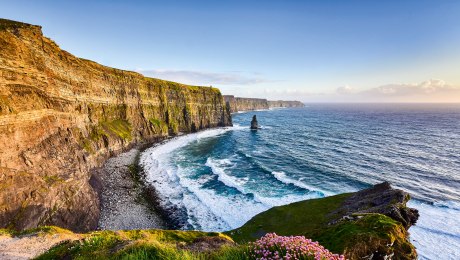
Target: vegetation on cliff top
{"points": [[299, 218], [148, 244], [354, 236], [5, 24]]}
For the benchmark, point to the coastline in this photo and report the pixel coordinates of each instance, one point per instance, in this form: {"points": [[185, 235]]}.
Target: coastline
{"points": [[124, 196]]}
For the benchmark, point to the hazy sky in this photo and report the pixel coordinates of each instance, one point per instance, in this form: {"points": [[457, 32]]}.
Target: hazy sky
{"points": [[386, 51]]}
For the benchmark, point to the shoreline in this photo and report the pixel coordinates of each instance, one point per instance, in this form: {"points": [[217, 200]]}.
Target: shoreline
{"points": [[127, 201], [124, 196]]}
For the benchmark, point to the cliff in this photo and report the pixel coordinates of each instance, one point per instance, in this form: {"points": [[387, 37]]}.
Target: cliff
{"points": [[282, 103], [236, 104], [61, 116], [245, 104]]}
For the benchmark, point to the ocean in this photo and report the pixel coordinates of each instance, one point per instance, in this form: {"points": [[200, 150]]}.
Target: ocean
{"points": [[218, 179]]}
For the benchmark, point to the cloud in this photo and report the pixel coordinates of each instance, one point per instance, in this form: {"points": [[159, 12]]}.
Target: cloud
{"points": [[345, 90], [206, 78], [433, 90], [428, 87]]}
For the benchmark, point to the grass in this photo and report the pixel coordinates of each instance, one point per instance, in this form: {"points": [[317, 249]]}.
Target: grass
{"points": [[142, 244], [369, 233], [304, 217], [355, 238], [179, 86]]}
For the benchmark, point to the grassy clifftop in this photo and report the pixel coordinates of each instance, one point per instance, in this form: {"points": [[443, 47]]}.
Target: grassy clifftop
{"points": [[355, 236], [367, 223]]}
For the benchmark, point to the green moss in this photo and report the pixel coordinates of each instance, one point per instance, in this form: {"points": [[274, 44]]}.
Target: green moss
{"points": [[119, 127], [155, 122], [6, 232], [52, 179], [160, 126], [87, 146], [304, 217]]}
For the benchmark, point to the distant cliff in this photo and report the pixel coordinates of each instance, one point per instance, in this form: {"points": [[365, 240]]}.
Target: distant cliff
{"points": [[281, 103], [248, 104], [61, 115]]}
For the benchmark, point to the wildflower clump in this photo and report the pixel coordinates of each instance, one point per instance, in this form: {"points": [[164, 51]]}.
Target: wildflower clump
{"points": [[272, 246]]}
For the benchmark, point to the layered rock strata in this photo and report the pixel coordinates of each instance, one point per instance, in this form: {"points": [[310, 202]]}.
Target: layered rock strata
{"points": [[236, 104], [61, 116]]}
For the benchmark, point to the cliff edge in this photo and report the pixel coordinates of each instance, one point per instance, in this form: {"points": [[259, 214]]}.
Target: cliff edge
{"points": [[61, 116]]}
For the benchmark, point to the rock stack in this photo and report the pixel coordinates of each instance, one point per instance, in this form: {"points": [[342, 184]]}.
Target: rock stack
{"points": [[254, 124]]}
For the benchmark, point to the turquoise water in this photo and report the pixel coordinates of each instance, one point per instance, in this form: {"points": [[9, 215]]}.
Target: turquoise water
{"points": [[220, 178]]}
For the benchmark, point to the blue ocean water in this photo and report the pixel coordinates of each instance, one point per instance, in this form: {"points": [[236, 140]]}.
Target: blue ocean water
{"points": [[219, 179]]}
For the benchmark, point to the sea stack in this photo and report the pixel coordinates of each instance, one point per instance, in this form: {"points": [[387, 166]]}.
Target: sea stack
{"points": [[254, 124]]}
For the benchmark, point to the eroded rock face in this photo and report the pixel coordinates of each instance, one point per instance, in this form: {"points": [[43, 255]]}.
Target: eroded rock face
{"points": [[61, 116], [383, 199]]}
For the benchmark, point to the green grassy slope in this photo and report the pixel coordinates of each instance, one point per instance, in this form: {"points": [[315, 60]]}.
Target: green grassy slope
{"points": [[356, 236]]}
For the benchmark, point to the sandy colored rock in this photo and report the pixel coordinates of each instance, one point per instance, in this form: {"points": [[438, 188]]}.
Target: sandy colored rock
{"points": [[61, 116]]}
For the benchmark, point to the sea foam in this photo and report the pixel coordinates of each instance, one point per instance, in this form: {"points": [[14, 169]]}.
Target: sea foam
{"points": [[437, 222]]}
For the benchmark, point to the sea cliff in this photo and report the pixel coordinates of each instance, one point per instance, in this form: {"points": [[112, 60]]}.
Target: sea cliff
{"points": [[236, 104], [282, 103], [61, 116]]}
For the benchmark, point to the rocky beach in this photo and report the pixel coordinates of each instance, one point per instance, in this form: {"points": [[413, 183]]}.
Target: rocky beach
{"points": [[124, 204]]}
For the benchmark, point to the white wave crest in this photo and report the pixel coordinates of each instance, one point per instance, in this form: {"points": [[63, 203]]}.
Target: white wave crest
{"points": [[216, 167], [281, 176]]}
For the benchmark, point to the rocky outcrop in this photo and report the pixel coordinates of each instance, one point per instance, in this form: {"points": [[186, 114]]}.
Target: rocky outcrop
{"points": [[282, 103], [61, 116], [236, 104], [254, 124], [382, 199]]}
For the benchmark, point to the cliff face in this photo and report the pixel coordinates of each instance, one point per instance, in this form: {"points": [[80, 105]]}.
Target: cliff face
{"points": [[236, 104], [245, 104], [282, 103], [61, 115]]}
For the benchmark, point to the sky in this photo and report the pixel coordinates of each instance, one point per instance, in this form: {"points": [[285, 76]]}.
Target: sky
{"points": [[312, 51]]}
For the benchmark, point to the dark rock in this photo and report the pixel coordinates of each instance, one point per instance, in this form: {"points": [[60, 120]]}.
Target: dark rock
{"points": [[383, 199], [254, 124]]}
